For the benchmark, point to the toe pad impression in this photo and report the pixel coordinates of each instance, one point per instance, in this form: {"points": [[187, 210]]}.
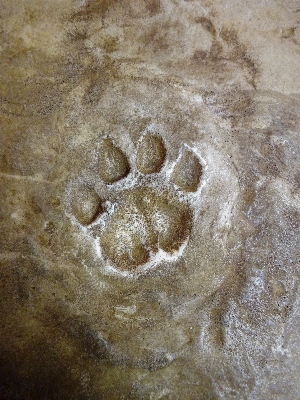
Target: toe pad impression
{"points": [[113, 164], [86, 205], [151, 154], [187, 172]]}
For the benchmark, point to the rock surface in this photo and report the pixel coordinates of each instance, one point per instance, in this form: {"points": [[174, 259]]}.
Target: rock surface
{"points": [[171, 273]]}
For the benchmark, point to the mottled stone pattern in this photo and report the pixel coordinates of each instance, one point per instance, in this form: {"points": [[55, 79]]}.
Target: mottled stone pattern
{"points": [[149, 181]]}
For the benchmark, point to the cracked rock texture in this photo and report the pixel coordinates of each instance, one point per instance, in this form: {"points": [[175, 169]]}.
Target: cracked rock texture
{"points": [[217, 79]]}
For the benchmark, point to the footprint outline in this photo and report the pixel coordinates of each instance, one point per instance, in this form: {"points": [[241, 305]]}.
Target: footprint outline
{"points": [[153, 218]]}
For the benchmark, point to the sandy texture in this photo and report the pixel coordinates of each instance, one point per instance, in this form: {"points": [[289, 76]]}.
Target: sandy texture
{"points": [[214, 312]]}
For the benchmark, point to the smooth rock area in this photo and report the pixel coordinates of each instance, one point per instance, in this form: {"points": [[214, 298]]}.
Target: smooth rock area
{"points": [[150, 199]]}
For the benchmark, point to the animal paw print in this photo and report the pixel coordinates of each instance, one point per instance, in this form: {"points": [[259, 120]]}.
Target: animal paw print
{"points": [[148, 210]]}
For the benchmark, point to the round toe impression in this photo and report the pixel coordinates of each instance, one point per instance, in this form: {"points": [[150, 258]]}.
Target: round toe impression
{"points": [[86, 205], [151, 154], [187, 172], [113, 163]]}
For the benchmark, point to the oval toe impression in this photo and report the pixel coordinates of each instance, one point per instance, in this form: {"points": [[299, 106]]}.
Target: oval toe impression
{"points": [[187, 172], [86, 205], [113, 163], [151, 154]]}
